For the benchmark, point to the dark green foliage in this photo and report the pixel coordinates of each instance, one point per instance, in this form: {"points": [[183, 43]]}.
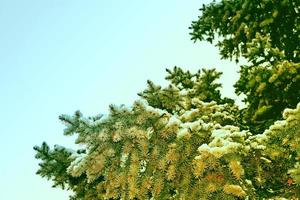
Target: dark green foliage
{"points": [[266, 33], [160, 98], [184, 84], [181, 79], [238, 22], [54, 166], [269, 90]]}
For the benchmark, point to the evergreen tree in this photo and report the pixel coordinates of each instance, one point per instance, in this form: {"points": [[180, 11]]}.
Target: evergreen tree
{"points": [[241, 23], [266, 33], [185, 141]]}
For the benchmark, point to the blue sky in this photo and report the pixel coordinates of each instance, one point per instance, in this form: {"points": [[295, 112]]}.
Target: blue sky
{"points": [[58, 56]]}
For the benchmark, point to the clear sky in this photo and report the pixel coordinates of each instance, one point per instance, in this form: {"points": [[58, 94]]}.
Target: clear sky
{"points": [[58, 56]]}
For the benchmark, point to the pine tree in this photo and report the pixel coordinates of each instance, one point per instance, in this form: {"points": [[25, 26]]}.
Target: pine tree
{"points": [[186, 141], [266, 34]]}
